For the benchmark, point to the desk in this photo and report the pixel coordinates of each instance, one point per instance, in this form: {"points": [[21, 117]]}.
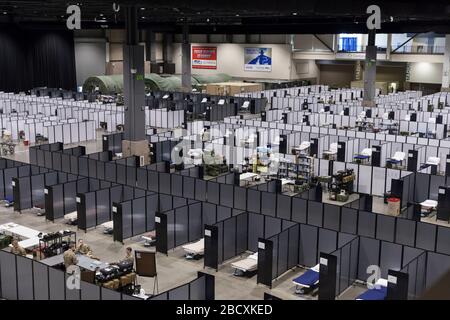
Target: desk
{"points": [[83, 262], [30, 243], [24, 232]]}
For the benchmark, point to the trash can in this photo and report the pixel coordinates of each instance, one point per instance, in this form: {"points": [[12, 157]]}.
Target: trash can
{"points": [[393, 206], [26, 142]]}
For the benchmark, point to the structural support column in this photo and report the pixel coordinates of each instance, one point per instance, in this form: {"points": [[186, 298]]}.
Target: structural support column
{"points": [[186, 80], [389, 46], [134, 142], [150, 46], [446, 66], [358, 71], [370, 71], [167, 47]]}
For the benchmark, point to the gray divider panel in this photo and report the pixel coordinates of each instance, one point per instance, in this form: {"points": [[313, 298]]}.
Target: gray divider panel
{"points": [[139, 216], [24, 278], [8, 275], [40, 284], [197, 289], [71, 292], [91, 210], [151, 208], [268, 203], [108, 294], [385, 228], [308, 246], [425, 236], [253, 201], [90, 291], [328, 240], [103, 202], [240, 198], [299, 210], [405, 232], [256, 231], [443, 240], [57, 284], [368, 255], [390, 258], [195, 221], [366, 224]]}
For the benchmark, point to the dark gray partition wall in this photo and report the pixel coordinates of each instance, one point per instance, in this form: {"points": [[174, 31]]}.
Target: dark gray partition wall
{"points": [[60, 199], [112, 142], [26, 279], [237, 234], [201, 288], [302, 208], [298, 244], [29, 190], [185, 224], [136, 216], [416, 271], [95, 207], [355, 259]]}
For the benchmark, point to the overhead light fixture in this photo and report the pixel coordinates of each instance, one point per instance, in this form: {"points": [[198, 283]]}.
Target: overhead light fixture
{"points": [[237, 15], [142, 8], [4, 12], [294, 13], [391, 18], [207, 20]]}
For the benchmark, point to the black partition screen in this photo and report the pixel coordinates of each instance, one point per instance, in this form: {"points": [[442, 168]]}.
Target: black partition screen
{"points": [[26, 279], [201, 288]]}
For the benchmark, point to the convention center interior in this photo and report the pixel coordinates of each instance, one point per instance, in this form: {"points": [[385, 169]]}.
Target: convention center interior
{"points": [[224, 150]]}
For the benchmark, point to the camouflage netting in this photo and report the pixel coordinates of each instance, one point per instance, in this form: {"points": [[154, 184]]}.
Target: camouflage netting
{"points": [[114, 83], [216, 78], [105, 84]]}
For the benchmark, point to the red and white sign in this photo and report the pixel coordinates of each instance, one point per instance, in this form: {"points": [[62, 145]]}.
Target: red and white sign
{"points": [[204, 57]]}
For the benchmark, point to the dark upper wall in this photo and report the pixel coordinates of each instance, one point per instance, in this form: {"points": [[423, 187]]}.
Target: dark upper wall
{"points": [[35, 58]]}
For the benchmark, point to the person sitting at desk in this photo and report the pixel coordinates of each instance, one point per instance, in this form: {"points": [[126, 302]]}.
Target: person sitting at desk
{"points": [[83, 248], [128, 257], [69, 256], [17, 249]]}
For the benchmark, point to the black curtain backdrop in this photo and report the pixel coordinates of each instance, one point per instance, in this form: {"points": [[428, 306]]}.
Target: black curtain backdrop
{"points": [[36, 58]]}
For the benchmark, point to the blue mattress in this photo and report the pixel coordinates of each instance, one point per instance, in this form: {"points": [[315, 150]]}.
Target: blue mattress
{"points": [[373, 294], [393, 160], [360, 156], [309, 278], [9, 199]]}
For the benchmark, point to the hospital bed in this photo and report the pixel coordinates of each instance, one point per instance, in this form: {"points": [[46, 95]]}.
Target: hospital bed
{"points": [[195, 250], [427, 207], [8, 201], [248, 177], [330, 154], [246, 266], [397, 158], [302, 147], [378, 292], [195, 156], [433, 161], [364, 155], [108, 227], [308, 281], [149, 238], [71, 218]]}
